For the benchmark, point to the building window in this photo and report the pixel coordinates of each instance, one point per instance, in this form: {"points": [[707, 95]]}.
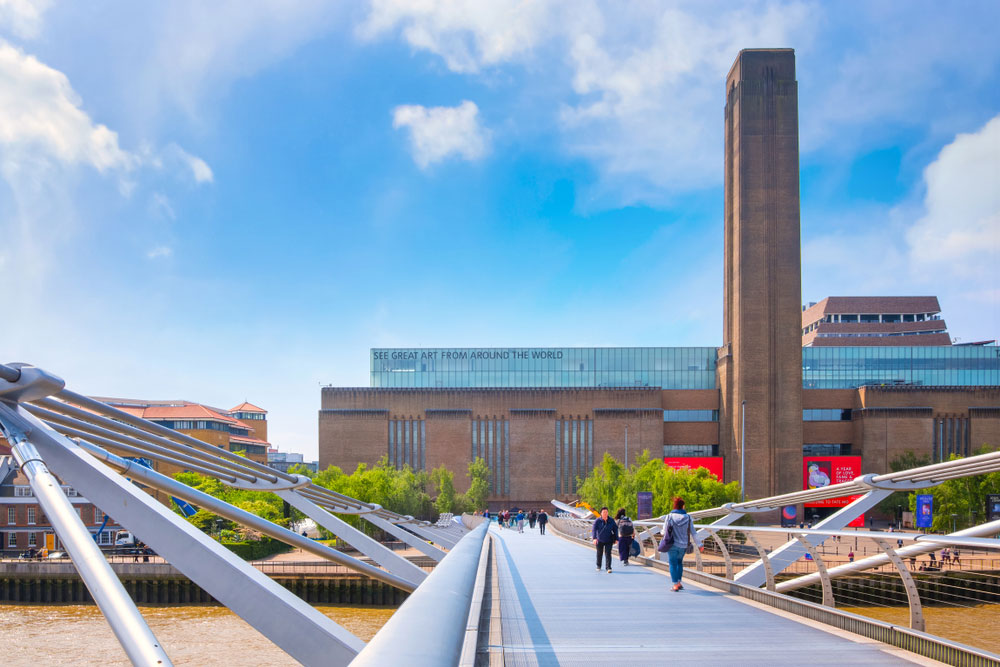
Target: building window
{"points": [[104, 539], [826, 415], [32, 539], [31, 516], [12, 540], [690, 450], [826, 449], [98, 516], [22, 491], [690, 415], [11, 515]]}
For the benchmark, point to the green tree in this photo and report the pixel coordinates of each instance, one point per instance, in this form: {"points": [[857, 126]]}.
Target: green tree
{"points": [[613, 485], [479, 485], [964, 497], [447, 500]]}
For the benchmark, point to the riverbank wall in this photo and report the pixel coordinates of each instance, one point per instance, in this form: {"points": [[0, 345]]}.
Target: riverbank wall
{"points": [[162, 584]]}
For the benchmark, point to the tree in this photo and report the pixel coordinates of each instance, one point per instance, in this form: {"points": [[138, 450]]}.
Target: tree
{"points": [[964, 497], [905, 461], [479, 485], [447, 500], [613, 485]]}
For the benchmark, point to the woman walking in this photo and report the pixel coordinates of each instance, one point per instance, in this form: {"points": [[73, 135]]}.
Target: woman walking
{"points": [[520, 521], [678, 527], [625, 535]]}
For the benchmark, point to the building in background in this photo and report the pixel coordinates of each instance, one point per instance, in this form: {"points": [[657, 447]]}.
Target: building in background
{"points": [[221, 428], [284, 460], [23, 524], [874, 320], [541, 418]]}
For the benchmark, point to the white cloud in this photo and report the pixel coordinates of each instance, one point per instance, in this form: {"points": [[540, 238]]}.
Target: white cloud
{"points": [[199, 169], [23, 17], [467, 34], [437, 133], [41, 119], [645, 80], [160, 251], [960, 231]]}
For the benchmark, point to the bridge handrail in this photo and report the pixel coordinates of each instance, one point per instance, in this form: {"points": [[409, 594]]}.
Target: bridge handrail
{"points": [[413, 635]]}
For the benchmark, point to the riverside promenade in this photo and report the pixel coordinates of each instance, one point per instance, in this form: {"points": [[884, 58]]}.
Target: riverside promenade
{"points": [[555, 609]]}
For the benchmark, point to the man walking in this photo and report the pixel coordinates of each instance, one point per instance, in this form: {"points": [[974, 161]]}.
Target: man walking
{"points": [[532, 518], [543, 519], [605, 533]]}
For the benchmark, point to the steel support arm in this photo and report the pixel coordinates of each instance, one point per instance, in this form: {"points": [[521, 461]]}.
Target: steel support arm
{"points": [[128, 625], [785, 555], [392, 562], [406, 536], [297, 628]]}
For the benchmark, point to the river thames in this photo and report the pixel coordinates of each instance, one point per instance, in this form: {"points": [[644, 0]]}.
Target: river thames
{"points": [[79, 635]]}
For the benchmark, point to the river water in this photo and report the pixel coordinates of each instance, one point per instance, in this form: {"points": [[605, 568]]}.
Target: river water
{"points": [[79, 635]]}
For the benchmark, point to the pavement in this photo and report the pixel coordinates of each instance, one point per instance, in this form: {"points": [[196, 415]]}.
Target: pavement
{"points": [[557, 610]]}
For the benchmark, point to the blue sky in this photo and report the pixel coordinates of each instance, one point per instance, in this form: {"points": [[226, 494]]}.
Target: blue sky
{"points": [[235, 200]]}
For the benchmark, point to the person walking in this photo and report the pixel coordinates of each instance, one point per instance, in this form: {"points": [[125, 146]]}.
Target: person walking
{"points": [[543, 519], [678, 526], [625, 536], [604, 533], [532, 518], [520, 521]]}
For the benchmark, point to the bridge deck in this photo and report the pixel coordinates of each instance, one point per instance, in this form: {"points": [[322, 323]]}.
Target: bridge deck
{"points": [[556, 610]]}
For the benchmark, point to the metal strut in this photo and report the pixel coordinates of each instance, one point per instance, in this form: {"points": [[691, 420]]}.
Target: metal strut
{"points": [[140, 644]]}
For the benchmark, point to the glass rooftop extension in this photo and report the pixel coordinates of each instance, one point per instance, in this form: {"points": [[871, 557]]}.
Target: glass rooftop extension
{"points": [[666, 367], [673, 367]]}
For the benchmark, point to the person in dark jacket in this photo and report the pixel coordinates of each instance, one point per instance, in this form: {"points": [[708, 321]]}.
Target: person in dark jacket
{"points": [[532, 518], [543, 519], [626, 531], [605, 533]]}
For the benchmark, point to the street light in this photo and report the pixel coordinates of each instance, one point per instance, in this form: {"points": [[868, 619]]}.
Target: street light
{"points": [[954, 517], [743, 450], [626, 446]]}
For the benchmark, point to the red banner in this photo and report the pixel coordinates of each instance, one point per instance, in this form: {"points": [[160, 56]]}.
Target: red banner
{"points": [[820, 471], [713, 464]]}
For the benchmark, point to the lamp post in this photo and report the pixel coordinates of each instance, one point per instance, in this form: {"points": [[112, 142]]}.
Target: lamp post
{"points": [[626, 446], [954, 518], [743, 450]]}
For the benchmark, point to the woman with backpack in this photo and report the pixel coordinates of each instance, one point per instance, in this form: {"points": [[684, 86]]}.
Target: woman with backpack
{"points": [[625, 535], [678, 538]]}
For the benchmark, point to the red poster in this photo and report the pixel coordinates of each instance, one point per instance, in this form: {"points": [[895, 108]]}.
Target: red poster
{"points": [[711, 463], [820, 471]]}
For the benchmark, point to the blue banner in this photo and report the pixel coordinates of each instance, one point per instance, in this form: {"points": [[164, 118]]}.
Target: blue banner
{"points": [[645, 505], [925, 510]]}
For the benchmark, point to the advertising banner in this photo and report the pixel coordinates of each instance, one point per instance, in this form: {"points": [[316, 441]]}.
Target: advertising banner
{"points": [[820, 471], [711, 463], [789, 516], [645, 503], [925, 510], [992, 506]]}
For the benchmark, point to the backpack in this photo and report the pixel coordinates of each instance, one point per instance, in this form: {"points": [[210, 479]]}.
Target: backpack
{"points": [[625, 528]]}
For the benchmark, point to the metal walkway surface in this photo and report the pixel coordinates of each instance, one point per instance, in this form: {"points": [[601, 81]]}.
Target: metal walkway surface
{"points": [[557, 610]]}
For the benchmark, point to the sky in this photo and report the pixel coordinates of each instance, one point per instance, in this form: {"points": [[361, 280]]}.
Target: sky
{"points": [[235, 200]]}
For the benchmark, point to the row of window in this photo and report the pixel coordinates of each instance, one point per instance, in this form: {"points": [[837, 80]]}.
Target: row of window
{"points": [[491, 443], [34, 516], [870, 334], [574, 452], [690, 415], [104, 539], [408, 443], [826, 449], [690, 450], [258, 450], [680, 368], [24, 491], [826, 415], [250, 416]]}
